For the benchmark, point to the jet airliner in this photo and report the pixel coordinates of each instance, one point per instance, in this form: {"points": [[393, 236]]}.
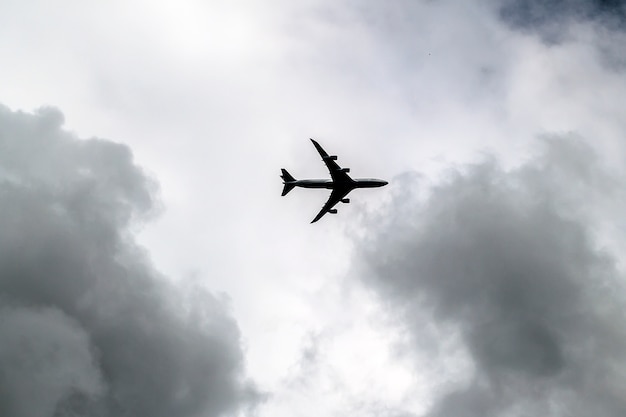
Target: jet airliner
{"points": [[340, 183]]}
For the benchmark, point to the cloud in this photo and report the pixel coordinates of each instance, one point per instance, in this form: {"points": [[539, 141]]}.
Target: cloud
{"points": [[88, 326], [43, 352], [550, 18], [535, 13], [509, 262]]}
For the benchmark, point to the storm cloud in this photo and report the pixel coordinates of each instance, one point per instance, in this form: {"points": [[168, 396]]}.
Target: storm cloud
{"points": [[509, 263], [87, 326]]}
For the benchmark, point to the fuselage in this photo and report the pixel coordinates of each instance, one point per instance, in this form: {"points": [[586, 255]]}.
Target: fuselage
{"points": [[330, 184], [340, 183]]}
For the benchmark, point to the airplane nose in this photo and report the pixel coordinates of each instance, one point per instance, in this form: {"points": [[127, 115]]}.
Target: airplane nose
{"points": [[385, 183]]}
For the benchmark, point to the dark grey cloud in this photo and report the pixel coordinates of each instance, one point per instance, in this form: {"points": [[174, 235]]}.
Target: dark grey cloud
{"points": [[507, 261], [549, 17], [88, 327]]}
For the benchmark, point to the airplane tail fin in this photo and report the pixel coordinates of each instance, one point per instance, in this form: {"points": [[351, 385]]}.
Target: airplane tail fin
{"points": [[288, 180]]}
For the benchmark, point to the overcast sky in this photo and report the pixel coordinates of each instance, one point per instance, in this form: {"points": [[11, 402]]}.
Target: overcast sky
{"points": [[150, 267]]}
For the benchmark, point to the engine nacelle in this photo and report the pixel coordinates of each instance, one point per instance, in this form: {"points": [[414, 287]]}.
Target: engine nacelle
{"points": [[333, 157], [345, 200], [332, 211], [346, 170]]}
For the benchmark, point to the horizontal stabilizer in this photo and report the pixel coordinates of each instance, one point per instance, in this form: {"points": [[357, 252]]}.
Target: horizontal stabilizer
{"points": [[287, 177], [288, 187], [288, 180]]}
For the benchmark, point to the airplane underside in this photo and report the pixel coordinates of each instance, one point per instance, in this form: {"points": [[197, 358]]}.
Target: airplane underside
{"points": [[341, 184]]}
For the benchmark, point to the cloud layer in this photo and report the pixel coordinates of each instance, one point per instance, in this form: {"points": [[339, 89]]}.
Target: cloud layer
{"points": [[543, 15], [507, 262], [88, 327]]}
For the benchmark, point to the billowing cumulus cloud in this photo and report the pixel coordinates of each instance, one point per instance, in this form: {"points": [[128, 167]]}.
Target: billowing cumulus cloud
{"points": [[508, 263], [88, 327]]}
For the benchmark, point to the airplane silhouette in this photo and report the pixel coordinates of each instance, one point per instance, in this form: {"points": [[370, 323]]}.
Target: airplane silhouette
{"points": [[340, 184]]}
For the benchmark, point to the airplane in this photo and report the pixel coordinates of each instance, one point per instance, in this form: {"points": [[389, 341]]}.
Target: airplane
{"points": [[340, 183]]}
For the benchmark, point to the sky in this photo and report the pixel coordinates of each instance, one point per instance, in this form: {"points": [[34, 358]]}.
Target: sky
{"points": [[150, 267]]}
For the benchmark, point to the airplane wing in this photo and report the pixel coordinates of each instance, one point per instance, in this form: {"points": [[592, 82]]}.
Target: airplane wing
{"points": [[335, 196], [338, 174]]}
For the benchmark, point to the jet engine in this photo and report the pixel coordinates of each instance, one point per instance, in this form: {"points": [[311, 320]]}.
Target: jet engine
{"points": [[333, 157], [346, 170], [345, 200], [332, 211]]}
